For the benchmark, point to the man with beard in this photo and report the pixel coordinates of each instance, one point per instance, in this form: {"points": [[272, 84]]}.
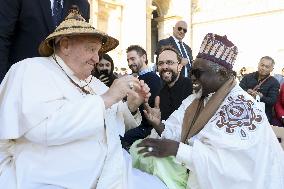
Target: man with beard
{"points": [[220, 134], [137, 62], [176, 87], [104, 70]]}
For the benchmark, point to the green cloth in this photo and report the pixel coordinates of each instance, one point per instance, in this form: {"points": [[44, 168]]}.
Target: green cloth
{"points": [[171, 173]]}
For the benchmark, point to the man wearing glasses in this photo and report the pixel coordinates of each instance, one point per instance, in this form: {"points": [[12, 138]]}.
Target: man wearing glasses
{"points": [[220, 134], [176, 87], [179, 31]]}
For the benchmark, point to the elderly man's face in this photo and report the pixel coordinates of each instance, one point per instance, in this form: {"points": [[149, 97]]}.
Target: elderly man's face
{"points": [[204, 77], [104, 67], [179, 30], [265, 67], [168, 66], [82, 55]]}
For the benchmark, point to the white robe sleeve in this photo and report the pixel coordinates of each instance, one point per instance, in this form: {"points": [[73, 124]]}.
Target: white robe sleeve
{"points": [[69, 123]]}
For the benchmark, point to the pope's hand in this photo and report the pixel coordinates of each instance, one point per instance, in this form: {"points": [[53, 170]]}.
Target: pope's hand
{"points": [[137, 96], [120, 88]]}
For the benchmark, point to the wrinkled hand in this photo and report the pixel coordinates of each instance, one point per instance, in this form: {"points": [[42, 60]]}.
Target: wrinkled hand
{"points": [[138, 96], [161, 147], [153, 115], [119, 89]]}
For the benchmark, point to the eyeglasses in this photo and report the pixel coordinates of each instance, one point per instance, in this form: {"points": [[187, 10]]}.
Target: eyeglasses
{"points": [[168, 62], [196, 73], [184, 29]]}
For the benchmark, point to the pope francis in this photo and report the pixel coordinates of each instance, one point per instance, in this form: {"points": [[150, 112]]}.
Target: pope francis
{"points": [[59, 126]]}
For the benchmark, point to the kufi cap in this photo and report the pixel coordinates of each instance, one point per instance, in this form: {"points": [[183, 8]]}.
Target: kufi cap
{"points": [[218, 49], [74, 24]]}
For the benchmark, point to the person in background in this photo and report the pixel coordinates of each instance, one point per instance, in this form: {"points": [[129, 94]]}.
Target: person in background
{"points": [[176, 87], [220, 134], [280, 77], [104, 70], [137, 62], [262, 84], [60, 125], [24, 24], [179, 31], [279, 109]]}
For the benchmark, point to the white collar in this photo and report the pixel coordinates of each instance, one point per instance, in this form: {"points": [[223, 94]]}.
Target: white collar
{"points": [[70, 73], [176, 40]]}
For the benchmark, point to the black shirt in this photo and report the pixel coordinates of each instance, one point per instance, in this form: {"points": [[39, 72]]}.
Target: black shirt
{"points": [[171, 98], [269, 89]]}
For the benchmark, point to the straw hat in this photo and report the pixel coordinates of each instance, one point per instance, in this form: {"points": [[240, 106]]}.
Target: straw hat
{"points": [[75, 24]]}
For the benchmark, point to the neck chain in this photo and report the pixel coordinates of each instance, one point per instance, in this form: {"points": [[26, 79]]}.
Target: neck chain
{"points": [[73, 82]]}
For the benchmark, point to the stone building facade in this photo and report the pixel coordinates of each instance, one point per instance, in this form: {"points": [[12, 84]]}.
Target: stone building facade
{"points": [[253, 25]]}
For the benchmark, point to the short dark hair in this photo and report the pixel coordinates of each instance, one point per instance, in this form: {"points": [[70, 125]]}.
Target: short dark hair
{"points": [[140, 51], [170, 48], [268, 58]]}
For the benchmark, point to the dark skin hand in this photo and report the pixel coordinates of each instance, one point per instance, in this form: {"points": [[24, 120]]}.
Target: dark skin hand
{"points": [[161, 147]]}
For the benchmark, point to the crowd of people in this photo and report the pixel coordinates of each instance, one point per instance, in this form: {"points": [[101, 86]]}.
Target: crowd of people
{"points": [[68, 121]]}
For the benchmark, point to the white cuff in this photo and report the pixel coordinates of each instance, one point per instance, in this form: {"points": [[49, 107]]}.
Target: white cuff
{"points": [[184, 155]]}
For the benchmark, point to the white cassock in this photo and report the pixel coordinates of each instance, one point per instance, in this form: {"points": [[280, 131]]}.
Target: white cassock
{"points": [[62, 137], [225, 156]]}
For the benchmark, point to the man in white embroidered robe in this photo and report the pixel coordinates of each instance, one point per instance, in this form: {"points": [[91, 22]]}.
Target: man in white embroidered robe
{"points": [[59, 125], [220, 134]]}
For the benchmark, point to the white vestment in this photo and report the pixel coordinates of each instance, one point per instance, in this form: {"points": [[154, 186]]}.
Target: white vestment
{"points": [[237, 149], [62, 138]]}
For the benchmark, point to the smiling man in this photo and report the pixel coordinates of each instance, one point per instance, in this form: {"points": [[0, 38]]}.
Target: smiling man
{"points": [[221, 135], [176, 87], [137, 62], [60, 126], [262, 84], [104, 70]]}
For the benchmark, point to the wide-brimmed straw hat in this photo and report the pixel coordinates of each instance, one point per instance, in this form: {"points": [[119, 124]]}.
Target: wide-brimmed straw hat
{"points": [[74, 24]]}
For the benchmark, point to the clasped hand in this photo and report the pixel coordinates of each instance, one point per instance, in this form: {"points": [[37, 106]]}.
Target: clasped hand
{"points": [[136, 92]]}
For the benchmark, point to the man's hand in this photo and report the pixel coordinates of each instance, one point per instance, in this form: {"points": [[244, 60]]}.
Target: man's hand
{"points": [[158, 147], [139, 94], [184, 61], [153, 115], [120, 88], [259, 94]]}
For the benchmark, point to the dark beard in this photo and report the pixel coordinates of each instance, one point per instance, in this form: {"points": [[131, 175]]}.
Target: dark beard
{"points": [[104, 72], [173, 78]]}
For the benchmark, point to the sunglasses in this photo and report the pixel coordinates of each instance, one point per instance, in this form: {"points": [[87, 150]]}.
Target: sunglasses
{"points": [[196, 73], [184, 29]]}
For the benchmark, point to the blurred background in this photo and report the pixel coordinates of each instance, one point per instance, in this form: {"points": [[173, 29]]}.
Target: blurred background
{"points": [[255, 26]]}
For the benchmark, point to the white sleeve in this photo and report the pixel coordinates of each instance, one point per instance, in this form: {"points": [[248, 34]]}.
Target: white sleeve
{"points": [[71, 121], [130, 120]]}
